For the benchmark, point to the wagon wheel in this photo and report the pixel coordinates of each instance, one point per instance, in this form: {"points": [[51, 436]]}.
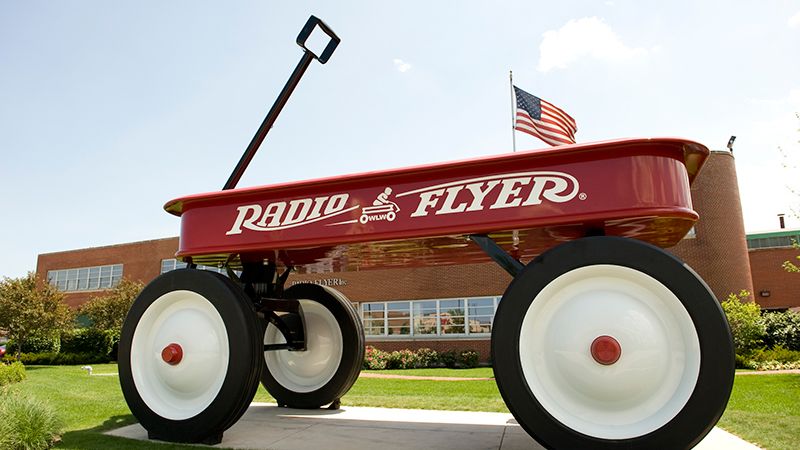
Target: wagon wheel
{"points": [[334, 353], [189, 356], [612, 343]]}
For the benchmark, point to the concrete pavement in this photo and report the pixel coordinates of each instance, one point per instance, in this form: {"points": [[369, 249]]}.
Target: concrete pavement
{"points": [[266, 426]]}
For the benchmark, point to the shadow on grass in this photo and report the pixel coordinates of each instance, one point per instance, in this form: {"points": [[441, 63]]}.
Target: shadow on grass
{"points": [[94, 439]]}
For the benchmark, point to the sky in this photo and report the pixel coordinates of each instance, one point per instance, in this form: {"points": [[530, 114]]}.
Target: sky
{"points": [[110, 109]]}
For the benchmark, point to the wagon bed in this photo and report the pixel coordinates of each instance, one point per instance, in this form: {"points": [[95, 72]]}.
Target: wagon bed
{"points": [[416, 216]]}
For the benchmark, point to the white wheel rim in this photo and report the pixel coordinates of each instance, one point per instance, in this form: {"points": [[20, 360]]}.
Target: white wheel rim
{"points": [[312, 369], [183, 390], [655, 374]]}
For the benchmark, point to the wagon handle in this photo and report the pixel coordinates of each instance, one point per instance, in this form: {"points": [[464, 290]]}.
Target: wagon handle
{"points": [[272, 115]]}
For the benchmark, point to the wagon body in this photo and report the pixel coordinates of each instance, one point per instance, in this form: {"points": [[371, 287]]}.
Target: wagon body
{"points": [[527, 202]]}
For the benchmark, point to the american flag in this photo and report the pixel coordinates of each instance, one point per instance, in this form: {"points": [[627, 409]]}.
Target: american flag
{"points": [[543, 120]]}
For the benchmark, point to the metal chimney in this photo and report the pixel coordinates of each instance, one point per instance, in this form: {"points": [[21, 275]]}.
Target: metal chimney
{"points": [[781, 220]]}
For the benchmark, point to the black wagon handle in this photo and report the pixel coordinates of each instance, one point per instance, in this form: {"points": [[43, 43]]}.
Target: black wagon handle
{"points": [[272, 115], [312, 23]]}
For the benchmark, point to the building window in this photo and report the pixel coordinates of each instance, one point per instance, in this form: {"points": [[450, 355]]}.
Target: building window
{"points": [[172, 264], [86, 278], [772, 241], [443, 317]]}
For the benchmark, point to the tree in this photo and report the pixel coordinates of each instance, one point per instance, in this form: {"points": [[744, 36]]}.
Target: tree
{"points": [[29, 306], [744, 317], [789, 266], [108, 311]]}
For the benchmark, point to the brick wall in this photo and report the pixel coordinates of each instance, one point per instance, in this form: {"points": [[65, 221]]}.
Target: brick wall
{"points": [[141, 262], [769, 276], [718, 253]]}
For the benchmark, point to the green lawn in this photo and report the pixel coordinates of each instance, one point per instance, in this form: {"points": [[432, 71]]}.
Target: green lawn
{"points": [[764, 408]]}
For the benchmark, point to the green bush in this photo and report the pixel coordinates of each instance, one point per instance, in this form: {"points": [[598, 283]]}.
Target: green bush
{"points": [[374, 359], [88, 340], [448, 358], [468, 359], [11, 373], [778, 354], [27, 424], [37, 344], [401, 359], [62, 359], [427, 358], [782, 329], [744, 317]]}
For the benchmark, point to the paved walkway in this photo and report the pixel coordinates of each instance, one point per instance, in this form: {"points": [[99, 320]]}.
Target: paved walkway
{"points": [[768, 372], [265, 426]]}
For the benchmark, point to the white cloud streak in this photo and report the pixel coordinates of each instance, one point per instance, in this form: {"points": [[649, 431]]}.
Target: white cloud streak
{"points": [[401, 65], [794, 21], [588, 37]]}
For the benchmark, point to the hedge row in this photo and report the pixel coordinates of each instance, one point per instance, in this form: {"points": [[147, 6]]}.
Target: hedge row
{"points": [[78, 346], [62, 359], [376, 359]]}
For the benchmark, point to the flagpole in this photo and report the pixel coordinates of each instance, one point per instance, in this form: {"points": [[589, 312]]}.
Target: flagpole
{"points": [[513, 111]]}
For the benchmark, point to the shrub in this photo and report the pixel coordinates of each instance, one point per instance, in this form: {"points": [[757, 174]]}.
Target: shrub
{"points": [[468, 359], [778, 354], [427, 358], [27, 424], [88, 340], [401, 359], [744, 317], [44, 343], [11, 373], [449, 358], [374, 359], [782, 329], [62, 359], [774, 365]]}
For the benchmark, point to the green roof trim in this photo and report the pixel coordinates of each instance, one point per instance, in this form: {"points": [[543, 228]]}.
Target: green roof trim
{"points": [[782, 233]]}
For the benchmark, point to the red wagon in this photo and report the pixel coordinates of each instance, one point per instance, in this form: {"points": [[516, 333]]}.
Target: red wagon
{"points": [[602, 339]]}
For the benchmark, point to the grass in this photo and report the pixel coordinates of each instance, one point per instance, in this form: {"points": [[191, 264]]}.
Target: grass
{"points": [[764, 409]]}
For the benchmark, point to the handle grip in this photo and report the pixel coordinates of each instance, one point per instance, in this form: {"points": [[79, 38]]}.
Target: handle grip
{"points": [[312, 23]]}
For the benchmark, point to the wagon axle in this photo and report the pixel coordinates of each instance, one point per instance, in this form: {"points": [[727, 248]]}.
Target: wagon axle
{"points": [[605, 350], [172, 354]]}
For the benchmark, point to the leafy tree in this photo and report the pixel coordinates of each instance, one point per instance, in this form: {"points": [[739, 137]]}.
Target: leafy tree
{"points": [[744, 317], [108, 311], [790, 266], [29, 307]]}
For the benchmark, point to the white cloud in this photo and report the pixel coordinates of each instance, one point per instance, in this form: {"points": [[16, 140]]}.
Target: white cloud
{"points": [[401, 65], [794, 21], [581, 38]]}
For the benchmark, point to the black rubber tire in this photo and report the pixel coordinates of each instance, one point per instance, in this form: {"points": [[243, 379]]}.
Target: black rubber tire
{"points": [[352, 352], [244, 364], [715, 381]]}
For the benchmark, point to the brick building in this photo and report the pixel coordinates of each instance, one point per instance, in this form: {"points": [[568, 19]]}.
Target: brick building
{"points": [[452, 307], [774, 288]]}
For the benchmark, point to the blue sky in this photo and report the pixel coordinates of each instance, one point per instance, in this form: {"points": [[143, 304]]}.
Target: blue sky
{"points": [[109, 109]]}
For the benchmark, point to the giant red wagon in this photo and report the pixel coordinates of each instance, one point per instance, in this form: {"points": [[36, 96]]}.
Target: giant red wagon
{"points": [[602, 339]]}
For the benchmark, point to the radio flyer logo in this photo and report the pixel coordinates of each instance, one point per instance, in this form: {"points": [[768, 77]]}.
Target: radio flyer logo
{"points": [[508, 190], [382, 209]]}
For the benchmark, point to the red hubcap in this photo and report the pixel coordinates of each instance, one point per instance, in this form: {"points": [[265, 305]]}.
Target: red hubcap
{"points": [[172, 354], [606, 350]]}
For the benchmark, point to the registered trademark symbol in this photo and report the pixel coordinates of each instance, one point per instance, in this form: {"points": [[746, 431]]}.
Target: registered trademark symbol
{"points": [[582, 196]]}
